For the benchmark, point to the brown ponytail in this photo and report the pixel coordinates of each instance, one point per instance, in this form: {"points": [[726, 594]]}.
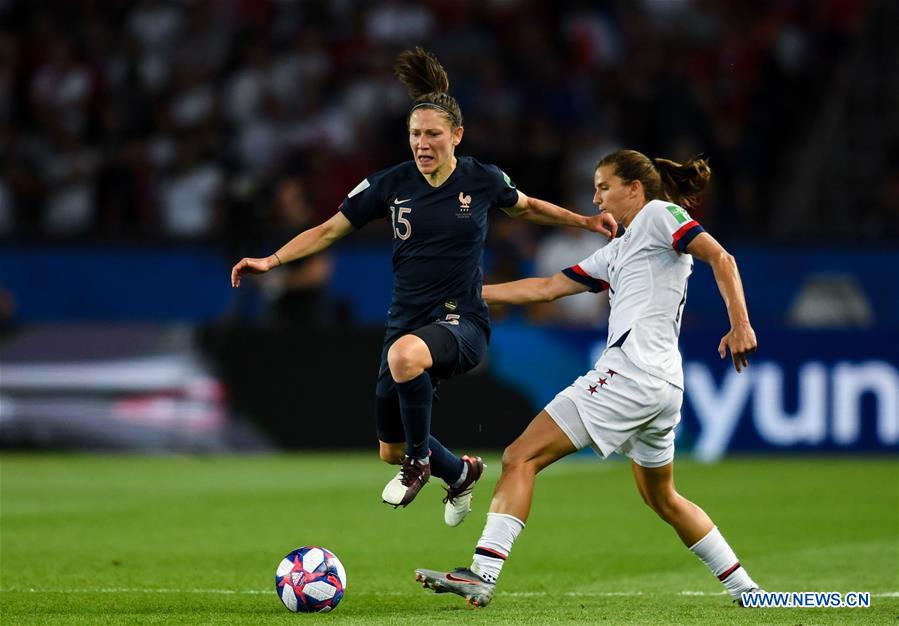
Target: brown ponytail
{"points": [[682, 184], [427, 82]]}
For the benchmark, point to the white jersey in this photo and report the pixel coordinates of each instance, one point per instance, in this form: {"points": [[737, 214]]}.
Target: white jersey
{"points": [[646, 272]]}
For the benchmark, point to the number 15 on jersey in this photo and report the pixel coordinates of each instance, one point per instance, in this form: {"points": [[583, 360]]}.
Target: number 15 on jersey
{"points": [[402, 228]]}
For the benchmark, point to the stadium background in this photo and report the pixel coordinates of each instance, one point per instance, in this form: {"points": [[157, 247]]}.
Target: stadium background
{"points": [[145, 146]]}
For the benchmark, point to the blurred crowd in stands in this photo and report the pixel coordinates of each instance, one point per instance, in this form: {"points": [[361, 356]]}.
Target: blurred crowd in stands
{"points": [[240, 121]]}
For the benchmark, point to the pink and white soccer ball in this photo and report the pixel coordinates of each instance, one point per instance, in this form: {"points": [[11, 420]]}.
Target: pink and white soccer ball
{"points": [[310, 580]]}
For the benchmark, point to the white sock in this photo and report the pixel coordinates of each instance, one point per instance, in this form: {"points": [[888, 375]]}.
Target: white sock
{"points": [[463, 476], [494, 546], [718, 557]]}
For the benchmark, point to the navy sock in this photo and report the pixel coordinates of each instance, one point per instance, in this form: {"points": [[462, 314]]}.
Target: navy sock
{"points": [[415, 397], [444, 464]]}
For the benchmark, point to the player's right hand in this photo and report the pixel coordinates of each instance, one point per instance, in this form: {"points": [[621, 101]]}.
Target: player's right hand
{"points": [[253, 266], [741, 342]]}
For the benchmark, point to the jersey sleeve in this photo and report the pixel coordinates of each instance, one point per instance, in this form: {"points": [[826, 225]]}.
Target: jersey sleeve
{"points": [[364, 203], [674, 226], [505, 194], [592, 272]]}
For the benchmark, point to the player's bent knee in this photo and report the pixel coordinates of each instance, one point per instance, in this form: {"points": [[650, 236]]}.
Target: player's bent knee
{"points": [[665, 505], [406, 359], [516, 456], [508, 459], [512, 456]]}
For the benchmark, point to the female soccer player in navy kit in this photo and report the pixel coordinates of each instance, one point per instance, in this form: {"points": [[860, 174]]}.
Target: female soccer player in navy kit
{"points": [[630, 401], [437, 324]]}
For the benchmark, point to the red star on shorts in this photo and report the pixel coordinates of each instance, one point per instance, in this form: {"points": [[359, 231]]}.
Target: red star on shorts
{"points": [[602, 382], [611, 373], [591, 389]]}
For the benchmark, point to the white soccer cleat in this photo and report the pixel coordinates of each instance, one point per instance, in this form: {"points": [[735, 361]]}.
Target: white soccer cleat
{"points": [[461, 581], [457, 503]]}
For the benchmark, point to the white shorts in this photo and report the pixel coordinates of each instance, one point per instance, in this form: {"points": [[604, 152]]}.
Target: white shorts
{"points": [[618, 407]]}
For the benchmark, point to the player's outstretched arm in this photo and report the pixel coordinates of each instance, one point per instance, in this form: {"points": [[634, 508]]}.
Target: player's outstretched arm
{"points": [[740, 340], [306, 243], [543, 212], [529, 290]]}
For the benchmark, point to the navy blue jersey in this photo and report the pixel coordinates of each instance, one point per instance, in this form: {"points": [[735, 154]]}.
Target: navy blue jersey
{"points": [[438, 236]]}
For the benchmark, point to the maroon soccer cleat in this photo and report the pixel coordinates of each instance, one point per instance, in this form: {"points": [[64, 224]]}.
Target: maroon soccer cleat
{"points": [[403, 488]]}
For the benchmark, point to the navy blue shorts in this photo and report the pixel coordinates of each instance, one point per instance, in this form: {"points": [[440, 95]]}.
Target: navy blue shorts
{"points": [[457, 345]]}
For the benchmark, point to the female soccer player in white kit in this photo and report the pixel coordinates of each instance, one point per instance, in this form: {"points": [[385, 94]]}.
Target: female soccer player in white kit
{"points": [[630, 401]]}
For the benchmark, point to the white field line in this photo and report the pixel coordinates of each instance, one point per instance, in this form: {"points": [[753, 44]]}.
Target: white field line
{"points": [[511, 594]]}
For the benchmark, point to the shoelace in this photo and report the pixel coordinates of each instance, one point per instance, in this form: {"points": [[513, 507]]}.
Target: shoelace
{"points": [[452, 493], [411, 471], [465, 488]]}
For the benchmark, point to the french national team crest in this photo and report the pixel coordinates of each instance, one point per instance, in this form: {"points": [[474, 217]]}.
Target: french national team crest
{"points": [[464, 211]]}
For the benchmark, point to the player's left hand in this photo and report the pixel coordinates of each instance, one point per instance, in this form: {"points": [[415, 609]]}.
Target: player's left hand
{"points": [[742, 342], [603, 223]]}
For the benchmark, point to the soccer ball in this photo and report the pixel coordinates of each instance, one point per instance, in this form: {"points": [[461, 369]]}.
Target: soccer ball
{"points": [[310, 580]]}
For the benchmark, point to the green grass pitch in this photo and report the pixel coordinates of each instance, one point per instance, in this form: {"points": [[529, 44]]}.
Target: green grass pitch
{"points": [[195, 540]]}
